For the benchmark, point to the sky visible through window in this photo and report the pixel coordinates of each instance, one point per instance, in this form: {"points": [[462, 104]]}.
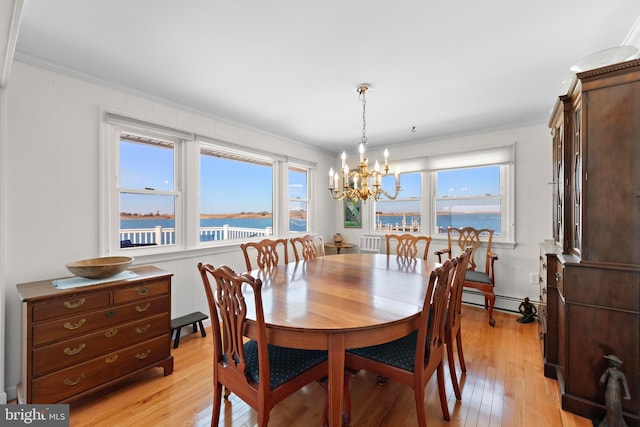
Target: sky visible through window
{"points": [[233, 186]]}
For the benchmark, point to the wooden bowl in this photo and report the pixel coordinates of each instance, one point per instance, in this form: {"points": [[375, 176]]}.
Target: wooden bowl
{"points": [[99, 268]]}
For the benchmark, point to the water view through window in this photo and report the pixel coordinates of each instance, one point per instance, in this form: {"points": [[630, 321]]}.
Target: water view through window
{"points": [[469, 197], [236, 192]]}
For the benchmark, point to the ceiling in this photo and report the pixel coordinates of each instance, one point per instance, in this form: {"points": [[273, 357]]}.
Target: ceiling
{"points": [[291, 67]]}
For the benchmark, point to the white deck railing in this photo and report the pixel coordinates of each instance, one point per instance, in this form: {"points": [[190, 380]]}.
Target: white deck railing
{"points": [[167, 236]]}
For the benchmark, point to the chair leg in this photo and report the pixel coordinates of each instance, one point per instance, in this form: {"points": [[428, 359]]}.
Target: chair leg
{"points": [[442, 392], [463, 366], [263, 417], [217, 402], [492, 299], [452, 371], [418, 393]]}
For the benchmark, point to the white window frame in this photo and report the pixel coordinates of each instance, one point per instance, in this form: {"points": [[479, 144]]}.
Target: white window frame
{"points": [[503, 156], [186, 186], [310, 168], [231, 151]]}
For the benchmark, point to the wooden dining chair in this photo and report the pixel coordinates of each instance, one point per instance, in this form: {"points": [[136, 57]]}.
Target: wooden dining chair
{"points": [[408, 245], [259, 373], [454, 320], [311, 247], [461, 238], [412, 360], [266, 253]]}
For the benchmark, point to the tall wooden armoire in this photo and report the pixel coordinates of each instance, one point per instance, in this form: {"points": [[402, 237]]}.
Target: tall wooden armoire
{"points": [[593, 271]]}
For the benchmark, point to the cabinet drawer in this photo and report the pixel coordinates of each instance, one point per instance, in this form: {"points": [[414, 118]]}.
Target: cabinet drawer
{"points": [[71, 327], [66, 353], [68, 306], [60, 385], [140, 291]]}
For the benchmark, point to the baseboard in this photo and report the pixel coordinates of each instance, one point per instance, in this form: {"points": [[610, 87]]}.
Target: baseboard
{"points": [[10, 394], [503, 302]]}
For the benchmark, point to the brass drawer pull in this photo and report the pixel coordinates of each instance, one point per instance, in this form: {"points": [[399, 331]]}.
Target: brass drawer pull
{"points": [[69, 381], [141, 309], [70, 352], [72, 326], [143, 355], [111, 359], [76, 304], [142, 291], [143, 329], [111, 333]]}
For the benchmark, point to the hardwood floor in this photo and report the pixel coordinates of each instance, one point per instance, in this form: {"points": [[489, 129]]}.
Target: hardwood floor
{"points": [[504, 386]]}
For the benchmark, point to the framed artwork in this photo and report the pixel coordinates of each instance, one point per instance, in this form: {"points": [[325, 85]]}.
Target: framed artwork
{"points": [[352, 213]]}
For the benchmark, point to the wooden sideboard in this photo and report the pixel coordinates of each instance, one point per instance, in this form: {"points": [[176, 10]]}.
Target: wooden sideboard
{"points": [[593, 272], [80, 340]]}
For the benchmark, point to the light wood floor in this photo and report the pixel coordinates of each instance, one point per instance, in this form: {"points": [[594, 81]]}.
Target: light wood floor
{"points": [[504, 386]]}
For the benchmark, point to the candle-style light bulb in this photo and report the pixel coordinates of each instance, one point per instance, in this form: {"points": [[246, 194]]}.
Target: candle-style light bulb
{"points": [[386, 157], [361, 150], [344, 158], [377, 166], [331, 179]]}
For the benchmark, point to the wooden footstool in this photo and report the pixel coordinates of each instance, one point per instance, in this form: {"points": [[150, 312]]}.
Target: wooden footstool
{"points": [[193, 319]]}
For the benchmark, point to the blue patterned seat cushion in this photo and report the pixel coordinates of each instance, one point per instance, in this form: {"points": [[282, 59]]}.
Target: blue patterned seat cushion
{"points": [[400, 353], [285, 363], [477, 276]]}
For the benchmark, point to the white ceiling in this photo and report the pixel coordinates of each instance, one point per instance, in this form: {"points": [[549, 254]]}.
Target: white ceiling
{"points": [[290, 67]]}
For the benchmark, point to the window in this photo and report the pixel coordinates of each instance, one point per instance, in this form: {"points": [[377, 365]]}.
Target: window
{"points": [[299, 200], [404, 213], [469, 197], [236, 196], [166, 189], [473, 188], [147, 188]]}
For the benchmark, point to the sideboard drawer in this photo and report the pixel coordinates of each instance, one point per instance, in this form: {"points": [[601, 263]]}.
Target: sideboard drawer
{"points": [[70, 305], [67, 382], [53, 357], [140, 291], [69, 327]]}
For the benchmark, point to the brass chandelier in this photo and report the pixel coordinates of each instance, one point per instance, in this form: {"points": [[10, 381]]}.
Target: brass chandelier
{"points": [[360, 183]]}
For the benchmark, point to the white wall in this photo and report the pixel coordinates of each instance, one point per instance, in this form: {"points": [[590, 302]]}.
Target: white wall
{"points": [[50, 207], [51, 167]]}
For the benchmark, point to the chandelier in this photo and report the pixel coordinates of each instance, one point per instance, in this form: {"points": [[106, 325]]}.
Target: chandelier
{"points": [[361, 183]]}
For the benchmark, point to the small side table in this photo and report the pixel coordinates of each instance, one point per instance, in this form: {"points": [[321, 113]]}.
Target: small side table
{"points": [[339, 246]]}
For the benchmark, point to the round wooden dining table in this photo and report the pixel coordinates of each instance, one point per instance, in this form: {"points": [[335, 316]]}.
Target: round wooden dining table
{"points": [[338, 302]]}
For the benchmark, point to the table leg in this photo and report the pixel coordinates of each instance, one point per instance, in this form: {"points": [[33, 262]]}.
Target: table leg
{"points": [[336, 378], [338, 250]]}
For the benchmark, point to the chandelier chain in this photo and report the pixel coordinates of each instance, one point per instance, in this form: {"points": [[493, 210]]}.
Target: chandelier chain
{"points": [[364, 116]]}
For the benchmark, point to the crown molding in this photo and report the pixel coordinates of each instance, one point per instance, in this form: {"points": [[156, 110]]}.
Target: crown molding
{"points": [[9, 26]]}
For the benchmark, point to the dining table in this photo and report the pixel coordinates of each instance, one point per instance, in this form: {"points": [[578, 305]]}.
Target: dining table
{"points": [[339, 302]]}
